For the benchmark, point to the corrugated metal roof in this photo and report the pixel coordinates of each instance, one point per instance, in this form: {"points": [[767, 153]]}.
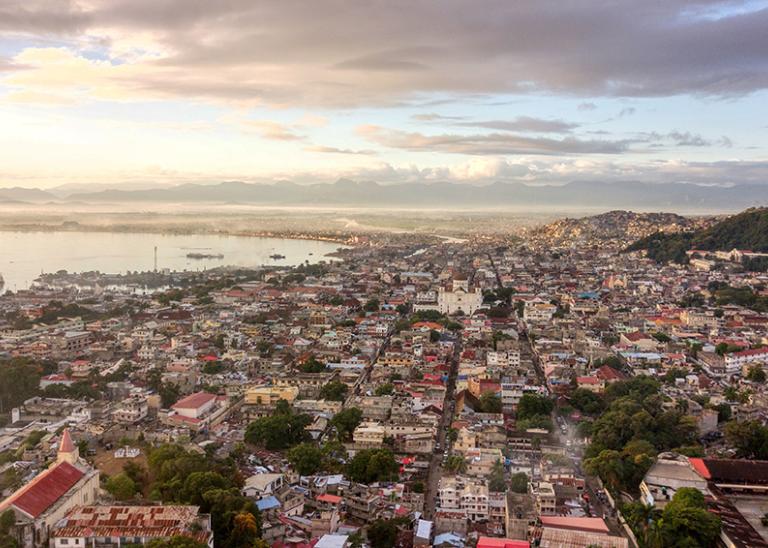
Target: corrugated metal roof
{"points": [[43, 491]]}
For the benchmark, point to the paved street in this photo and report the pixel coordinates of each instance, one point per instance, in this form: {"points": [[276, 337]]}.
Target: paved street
{"points": [[436, 462]]}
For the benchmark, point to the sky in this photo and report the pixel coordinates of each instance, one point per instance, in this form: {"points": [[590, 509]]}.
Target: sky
{"points": [[132, 93]]}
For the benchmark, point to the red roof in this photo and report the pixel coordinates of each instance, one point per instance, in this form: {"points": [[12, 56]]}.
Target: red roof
{"points": [[42, 492], [332, 499], [700, 467], [194, 401]]}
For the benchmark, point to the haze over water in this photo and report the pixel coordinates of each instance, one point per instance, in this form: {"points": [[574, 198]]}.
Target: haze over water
{"points": [[26, 254]]}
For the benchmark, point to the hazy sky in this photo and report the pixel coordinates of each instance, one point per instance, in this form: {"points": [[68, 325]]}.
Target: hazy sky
{"points": [[539, 91]]}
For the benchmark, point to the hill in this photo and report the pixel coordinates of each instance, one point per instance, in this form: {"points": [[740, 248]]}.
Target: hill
{"points": [[746, 230], [615, 227]]}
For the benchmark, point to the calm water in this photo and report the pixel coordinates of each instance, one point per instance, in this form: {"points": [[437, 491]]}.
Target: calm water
{"points": [[24, 255]]}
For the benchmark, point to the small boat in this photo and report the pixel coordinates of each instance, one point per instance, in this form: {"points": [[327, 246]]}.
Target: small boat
{"points": [[277, 256], [205, 255]]}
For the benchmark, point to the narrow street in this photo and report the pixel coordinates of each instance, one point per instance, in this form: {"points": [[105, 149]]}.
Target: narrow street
{"points": [[436, 461]]}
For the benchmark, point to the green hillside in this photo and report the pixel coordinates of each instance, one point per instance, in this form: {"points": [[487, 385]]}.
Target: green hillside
{"points": [[746, 230]]}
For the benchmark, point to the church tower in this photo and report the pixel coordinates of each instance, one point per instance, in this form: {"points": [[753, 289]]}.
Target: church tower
{"points": [[68, 451]]}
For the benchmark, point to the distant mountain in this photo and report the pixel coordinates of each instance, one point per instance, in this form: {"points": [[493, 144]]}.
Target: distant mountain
{"points": [[344, 192], [617, 227], [18, 194], [746, 230]]}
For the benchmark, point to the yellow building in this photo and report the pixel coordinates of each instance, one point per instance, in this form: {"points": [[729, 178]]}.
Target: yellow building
{"points": [[270, 395]]}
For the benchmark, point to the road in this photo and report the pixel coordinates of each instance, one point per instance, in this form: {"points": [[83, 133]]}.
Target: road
{"points": [[435, 471]]}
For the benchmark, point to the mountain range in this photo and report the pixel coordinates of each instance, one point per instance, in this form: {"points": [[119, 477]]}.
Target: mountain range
{"points": [[344, 192]]}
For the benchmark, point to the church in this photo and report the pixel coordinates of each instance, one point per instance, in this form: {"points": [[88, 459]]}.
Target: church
{"points": [[41, 503]]}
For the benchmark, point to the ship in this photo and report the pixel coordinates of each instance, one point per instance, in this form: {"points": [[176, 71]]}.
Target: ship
{"points": [[205, 255], [277, 256]]}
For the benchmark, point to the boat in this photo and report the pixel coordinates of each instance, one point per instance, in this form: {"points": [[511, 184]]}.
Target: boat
{"points": [[205, 255], [277, 256]]}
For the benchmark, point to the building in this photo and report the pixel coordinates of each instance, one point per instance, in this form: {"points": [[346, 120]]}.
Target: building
{"points": [[460, 298], [41, 503], [120, 525], [198, 411]]}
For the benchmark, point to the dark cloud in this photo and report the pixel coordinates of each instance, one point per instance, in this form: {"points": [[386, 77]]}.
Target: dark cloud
{"points": [[303, 53], [489, 144], [42, 17]]}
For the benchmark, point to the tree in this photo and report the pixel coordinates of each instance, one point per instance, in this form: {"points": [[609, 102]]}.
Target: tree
{"points": [[372, 305], [382, 533], [456, 464], [306, 458], [533, 404], [519, 482], [496, 483], [334, 391], [121, 487], [372, 465], [278, 432], [231, 527], [312, 365], [750, 439], [685, 520], [197, 484], [386, 389], [587, 401], [490, 402], [346, 420], [756, 374]]}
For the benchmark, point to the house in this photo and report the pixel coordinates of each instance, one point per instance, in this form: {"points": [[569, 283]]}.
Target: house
{"points": [[113, 525], [263, 485]]}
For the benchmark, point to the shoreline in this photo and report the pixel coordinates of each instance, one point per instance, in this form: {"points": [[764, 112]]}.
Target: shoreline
{"points": [[342, 239]]}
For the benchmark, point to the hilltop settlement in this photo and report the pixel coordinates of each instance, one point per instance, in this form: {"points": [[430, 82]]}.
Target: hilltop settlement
{"points": [[499, 392]]}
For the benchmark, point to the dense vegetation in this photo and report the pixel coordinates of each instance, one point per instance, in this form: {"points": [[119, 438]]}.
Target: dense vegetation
{"points": [[634, 428], [746, 230], [684, 522]]}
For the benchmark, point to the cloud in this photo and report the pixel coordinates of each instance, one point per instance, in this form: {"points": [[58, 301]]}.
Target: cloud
{"points": [[290, 53], [432, 117], [334, 150], [627, 111], [271, 130], [586, 106], [488, 144], [526, 124]]}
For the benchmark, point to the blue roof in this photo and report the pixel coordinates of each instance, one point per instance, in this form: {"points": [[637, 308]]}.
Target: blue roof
{"points": [[267, 503]]}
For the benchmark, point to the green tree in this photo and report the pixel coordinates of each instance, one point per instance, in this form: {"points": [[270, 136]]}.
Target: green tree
{"points": [[749, 438], [386, 389], [372, 305], [345, 422], [372, 465], [534, 404], [496, 483], [519, 482], [686, 522], [278, 432], [456, 464], [306, 458], [756, 374], [121, 487], [382, 533], [490, 402], [334, 391], [312, 365]]}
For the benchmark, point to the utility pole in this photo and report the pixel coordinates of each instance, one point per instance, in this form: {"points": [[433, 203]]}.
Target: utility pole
{"points": [[155, 258]]}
